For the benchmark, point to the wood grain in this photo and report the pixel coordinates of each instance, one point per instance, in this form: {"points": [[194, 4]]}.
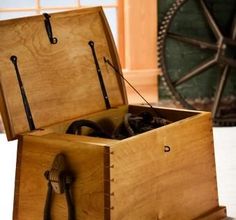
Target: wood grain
{"points": [[217, 213], [60, 80], [86, 162], [109, 120], [145, 81], [171, 114], [5, 119], [152, 184], [129, 179], [140, 34]]}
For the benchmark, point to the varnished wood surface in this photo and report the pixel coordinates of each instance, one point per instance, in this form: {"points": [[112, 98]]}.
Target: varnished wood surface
{"points": [[60, 80], [149, 183], [172, 114], [86, 162], [108, 120], [129, 179], [224, 141], [145, 81], [216, 213], [140, 34]]}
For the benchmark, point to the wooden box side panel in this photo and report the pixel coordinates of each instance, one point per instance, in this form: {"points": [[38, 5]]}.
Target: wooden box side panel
{"points": [[151, 181], [171, 114], [86, 162], [60, 80], [218, 213], [109, 120]]}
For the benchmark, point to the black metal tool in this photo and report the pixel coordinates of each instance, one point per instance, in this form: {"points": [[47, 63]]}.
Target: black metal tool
{"points": [[75, 128], [99, 72], [59, 182], [24, 97], [53, 40]]}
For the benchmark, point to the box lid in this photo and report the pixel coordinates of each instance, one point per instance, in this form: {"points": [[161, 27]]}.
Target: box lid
{"points": [[60, 79]]}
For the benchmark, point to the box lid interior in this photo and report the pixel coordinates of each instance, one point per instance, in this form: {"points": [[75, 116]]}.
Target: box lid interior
{"points": [[60, 80]]}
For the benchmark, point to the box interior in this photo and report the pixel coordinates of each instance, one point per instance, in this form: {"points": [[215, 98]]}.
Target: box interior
{"points": [[111, 119]]}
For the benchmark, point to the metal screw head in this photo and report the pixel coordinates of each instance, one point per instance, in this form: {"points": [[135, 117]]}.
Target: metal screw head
{"points": [[13, 59], [91, 43]]}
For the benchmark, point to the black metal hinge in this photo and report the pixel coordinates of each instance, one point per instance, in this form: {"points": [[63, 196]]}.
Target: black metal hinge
{"points": [[53, 40]]}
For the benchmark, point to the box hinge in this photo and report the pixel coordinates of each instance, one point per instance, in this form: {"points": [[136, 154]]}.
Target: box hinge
{"points": [[48, 26]]}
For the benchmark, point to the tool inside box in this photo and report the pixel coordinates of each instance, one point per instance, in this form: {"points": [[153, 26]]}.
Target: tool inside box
{"points": [[112, 119]]}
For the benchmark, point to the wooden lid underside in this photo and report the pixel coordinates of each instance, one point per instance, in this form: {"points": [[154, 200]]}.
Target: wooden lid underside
{"points": [[60, 80]]}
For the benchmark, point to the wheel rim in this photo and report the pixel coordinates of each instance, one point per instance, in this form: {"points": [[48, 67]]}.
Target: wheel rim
{"points": [[216, 47]]}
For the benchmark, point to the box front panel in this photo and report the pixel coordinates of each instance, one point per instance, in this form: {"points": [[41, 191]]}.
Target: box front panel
{"points": [[167, 173], [86, 163]]}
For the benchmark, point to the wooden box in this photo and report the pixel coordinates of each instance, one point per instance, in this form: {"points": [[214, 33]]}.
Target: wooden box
{"points": [[166, 173]]}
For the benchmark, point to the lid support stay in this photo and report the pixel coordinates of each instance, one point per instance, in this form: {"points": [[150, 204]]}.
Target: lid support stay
{"points": [[24, 97], [99, 72], [53, 40]]}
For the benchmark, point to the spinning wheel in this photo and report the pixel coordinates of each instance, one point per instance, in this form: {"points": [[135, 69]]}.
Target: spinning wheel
{"points": [[197, 56]]}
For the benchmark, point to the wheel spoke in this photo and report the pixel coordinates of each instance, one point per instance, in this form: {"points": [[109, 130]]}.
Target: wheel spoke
{"points": [[228, 61], [195, 71], [211, 21], [194, 42], [219, 90], [229, 41], [233, 28]]}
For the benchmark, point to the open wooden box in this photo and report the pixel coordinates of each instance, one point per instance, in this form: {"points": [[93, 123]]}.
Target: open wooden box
{"points": [[133, 178]]}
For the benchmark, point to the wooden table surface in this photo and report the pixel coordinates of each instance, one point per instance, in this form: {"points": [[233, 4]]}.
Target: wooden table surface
{"points": [[225, 152]]}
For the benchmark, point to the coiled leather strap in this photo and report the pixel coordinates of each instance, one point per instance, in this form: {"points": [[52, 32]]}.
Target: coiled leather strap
{"points": [[75, 128]]}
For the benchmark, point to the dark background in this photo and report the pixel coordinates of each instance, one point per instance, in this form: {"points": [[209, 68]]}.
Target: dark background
{"points": [[190, 21]]}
